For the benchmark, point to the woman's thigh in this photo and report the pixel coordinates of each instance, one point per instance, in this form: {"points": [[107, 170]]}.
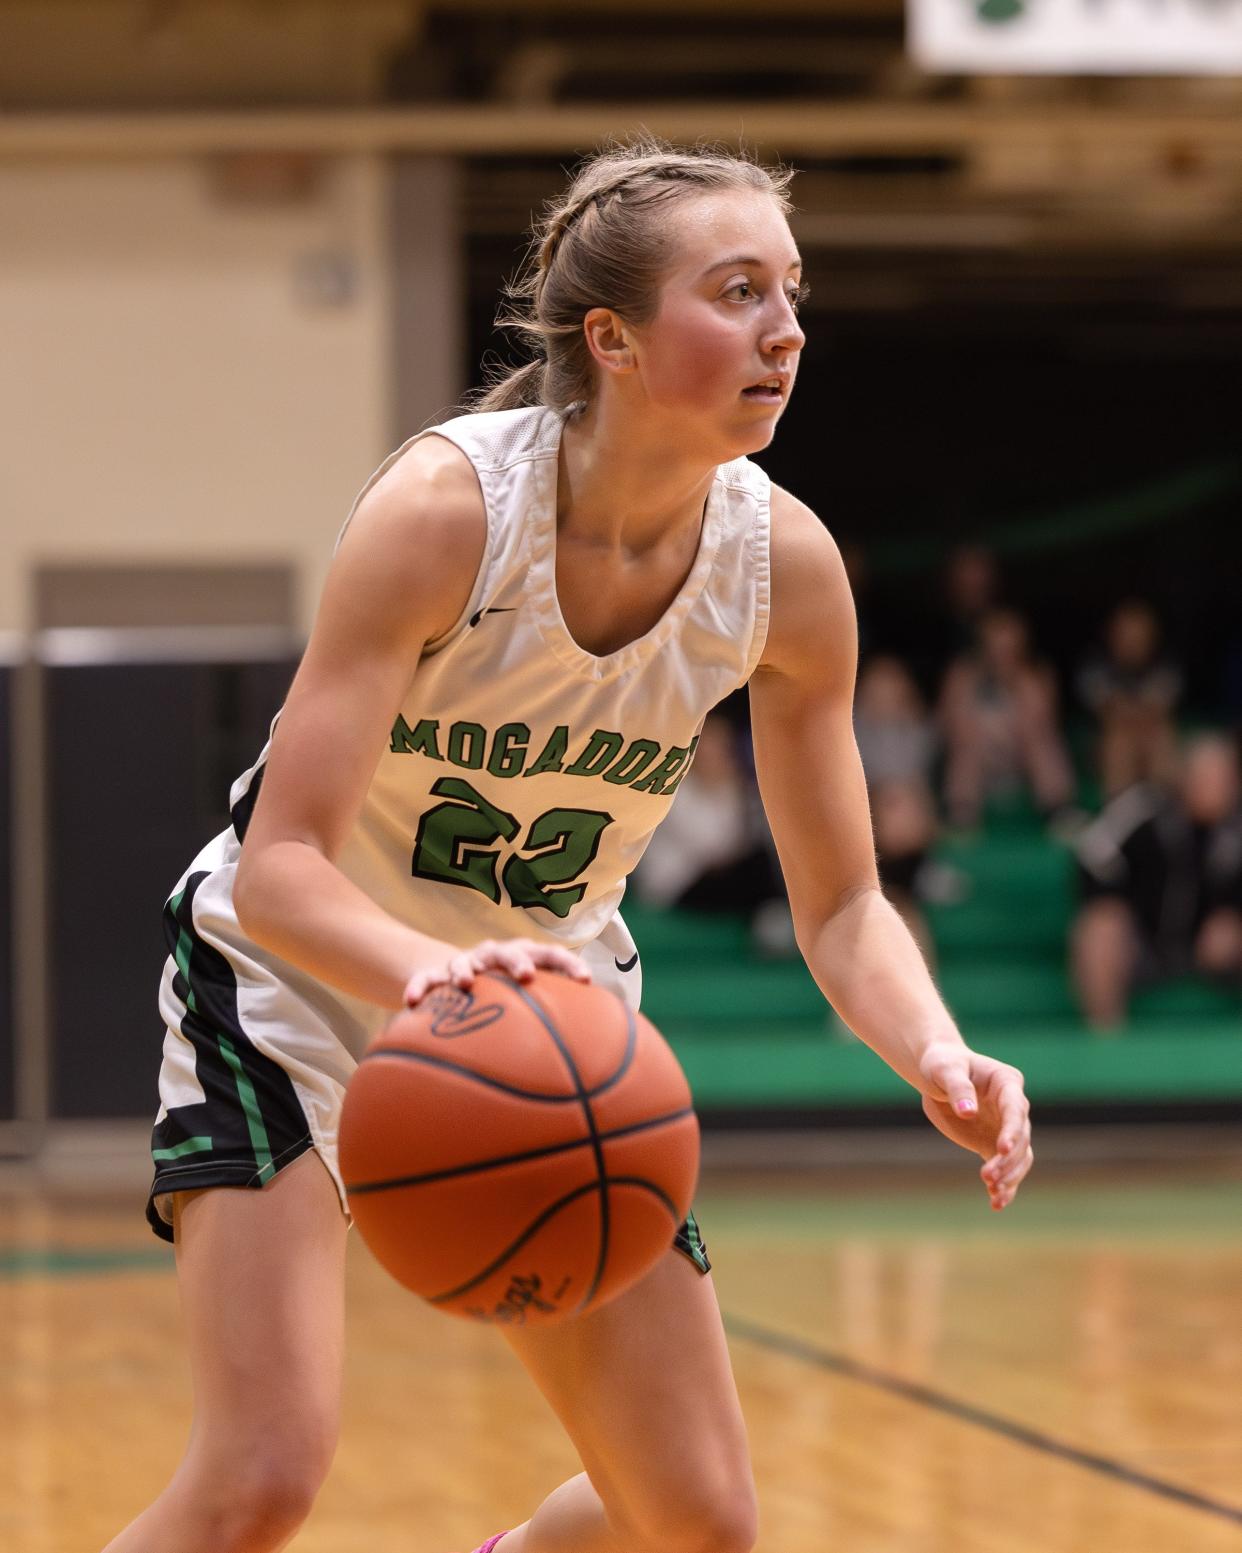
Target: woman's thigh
{"points": [[261, 1276], [646, 1392]]}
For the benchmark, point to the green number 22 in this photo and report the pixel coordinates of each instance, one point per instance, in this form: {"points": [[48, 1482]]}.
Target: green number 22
{"points": [[456, 844]]}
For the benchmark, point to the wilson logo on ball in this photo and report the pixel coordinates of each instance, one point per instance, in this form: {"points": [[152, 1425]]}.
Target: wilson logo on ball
{"points": [[454, 1012], [524, 1296]]}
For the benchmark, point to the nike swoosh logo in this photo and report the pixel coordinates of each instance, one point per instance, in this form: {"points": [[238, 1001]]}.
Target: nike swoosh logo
{"points": [[475, 618], [629, 964]]}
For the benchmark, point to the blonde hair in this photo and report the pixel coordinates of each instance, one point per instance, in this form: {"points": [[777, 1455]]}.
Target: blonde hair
{"points": [[605, 243]]}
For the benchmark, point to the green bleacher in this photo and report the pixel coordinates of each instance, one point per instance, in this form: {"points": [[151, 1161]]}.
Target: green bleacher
{"points": [[756, 1032]]}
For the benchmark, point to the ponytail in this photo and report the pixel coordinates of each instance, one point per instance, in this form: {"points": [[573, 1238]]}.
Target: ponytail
{"points": [[513, 390]]}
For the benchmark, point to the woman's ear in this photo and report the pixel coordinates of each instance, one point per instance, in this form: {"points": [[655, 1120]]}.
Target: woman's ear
{"points": [[608, 340]]}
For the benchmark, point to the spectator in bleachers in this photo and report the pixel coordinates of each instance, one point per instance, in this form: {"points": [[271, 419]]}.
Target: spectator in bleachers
{"points": [[970, 587], [897, 741], [998, 713], [1132, 689], [1161, 878], [710, 854]]}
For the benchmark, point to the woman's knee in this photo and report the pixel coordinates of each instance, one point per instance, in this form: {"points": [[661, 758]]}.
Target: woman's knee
{"points": [[258, 1497], [698, 1519], [281, 1488]]}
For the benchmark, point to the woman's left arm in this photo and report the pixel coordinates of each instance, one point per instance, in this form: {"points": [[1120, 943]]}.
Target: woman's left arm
{"points": [[856, 946]]}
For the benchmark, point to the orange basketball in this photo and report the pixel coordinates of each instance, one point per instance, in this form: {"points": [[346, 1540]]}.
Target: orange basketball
{"points": [[520, 1152]]}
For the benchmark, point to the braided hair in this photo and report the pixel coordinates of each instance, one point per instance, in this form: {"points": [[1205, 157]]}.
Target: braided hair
{"points": [[605, 243]]}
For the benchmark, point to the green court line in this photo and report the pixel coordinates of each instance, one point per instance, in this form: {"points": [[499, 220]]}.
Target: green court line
{"points": [[1204, 1215], [60, 1262]]}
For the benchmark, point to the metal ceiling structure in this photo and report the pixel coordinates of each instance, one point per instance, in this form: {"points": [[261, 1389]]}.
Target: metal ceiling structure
{"points": [[912, 184]]}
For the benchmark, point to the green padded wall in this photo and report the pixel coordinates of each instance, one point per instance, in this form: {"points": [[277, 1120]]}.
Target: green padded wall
{"points": [[753, 1032]]}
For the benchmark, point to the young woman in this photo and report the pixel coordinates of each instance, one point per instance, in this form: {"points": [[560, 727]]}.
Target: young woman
{"points": [[528, 618]]}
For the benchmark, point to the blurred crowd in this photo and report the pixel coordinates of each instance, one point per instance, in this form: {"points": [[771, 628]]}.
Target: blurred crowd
{"points": [[1104, 755]]}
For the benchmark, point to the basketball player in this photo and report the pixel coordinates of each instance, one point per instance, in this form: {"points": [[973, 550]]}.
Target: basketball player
{"points": [[529, 615]]}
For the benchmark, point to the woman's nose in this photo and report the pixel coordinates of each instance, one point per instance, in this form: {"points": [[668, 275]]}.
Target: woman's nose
{"points": [[786, 332]]}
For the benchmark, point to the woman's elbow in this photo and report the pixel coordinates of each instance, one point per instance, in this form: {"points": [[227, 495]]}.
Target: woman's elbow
{"points": [[811, 918]]}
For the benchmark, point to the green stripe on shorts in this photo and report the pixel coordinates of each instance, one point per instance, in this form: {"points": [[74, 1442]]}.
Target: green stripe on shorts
{"points": [[250, 1105], [190, 1146], [698, 1254], [185, 947]]}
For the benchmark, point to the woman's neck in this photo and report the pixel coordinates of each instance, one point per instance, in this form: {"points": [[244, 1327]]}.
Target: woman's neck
{"points": [[623, 485]]}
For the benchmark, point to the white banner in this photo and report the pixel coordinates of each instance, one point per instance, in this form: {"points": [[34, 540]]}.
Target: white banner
{"points": [[1131, 37]]}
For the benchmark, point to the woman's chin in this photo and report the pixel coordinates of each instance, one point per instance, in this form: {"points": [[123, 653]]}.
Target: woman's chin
{"points": [[753, 438]]}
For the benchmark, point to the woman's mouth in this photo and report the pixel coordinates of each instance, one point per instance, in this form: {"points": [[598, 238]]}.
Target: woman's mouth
{"points": [[770, 391]]}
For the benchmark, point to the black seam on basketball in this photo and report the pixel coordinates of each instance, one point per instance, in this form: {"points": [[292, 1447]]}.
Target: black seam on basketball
{"points": [[656, 1191], [601, 1169], [537, 1224], [481, 1078], [393, 1182], [627, 1057], [532, 1228]]}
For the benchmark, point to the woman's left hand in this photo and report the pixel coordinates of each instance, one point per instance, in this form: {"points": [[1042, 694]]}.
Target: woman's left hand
{"points": [[981, 1105]]}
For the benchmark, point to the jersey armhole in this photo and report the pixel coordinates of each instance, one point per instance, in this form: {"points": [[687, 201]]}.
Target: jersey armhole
{"points": [[479, 587], [760, 549], [478, 590]]}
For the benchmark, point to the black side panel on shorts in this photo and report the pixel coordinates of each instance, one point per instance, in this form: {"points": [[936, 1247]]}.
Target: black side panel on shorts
{"points": [[250, 1113], [689, 1241], [244, 807]]}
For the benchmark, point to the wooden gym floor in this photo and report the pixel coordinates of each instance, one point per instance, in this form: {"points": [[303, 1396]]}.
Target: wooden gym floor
{"points": [[919, 1375]]}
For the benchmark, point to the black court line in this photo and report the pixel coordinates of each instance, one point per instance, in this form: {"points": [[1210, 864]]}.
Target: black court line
{"points": [[938, 1401]]}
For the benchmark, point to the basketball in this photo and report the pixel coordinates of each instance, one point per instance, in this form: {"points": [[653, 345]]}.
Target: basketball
{"points": [[520, 1152]]}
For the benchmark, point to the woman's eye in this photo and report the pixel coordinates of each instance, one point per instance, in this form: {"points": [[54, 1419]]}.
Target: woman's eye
{"points": [[744, 291]]}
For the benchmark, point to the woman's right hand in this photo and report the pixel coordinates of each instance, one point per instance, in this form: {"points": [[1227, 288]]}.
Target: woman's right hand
{"points": [[516, 957]]}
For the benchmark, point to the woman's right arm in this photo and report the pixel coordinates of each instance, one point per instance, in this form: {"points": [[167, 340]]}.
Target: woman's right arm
{"points": [[402, 575]]}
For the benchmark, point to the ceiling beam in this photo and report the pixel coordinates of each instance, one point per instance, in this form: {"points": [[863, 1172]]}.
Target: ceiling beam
{"points": [[787, 129]]}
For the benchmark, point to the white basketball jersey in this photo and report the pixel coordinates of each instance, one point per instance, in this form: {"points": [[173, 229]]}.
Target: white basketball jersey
{"points": [[524, 776]]}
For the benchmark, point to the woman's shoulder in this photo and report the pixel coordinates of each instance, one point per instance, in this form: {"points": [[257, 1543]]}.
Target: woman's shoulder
{"points": [[812, 608], [428, 493], [800, 538], [420, 529]]}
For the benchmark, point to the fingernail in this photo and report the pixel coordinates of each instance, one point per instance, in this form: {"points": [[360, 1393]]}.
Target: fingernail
{"points": [[966, 1107]]}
